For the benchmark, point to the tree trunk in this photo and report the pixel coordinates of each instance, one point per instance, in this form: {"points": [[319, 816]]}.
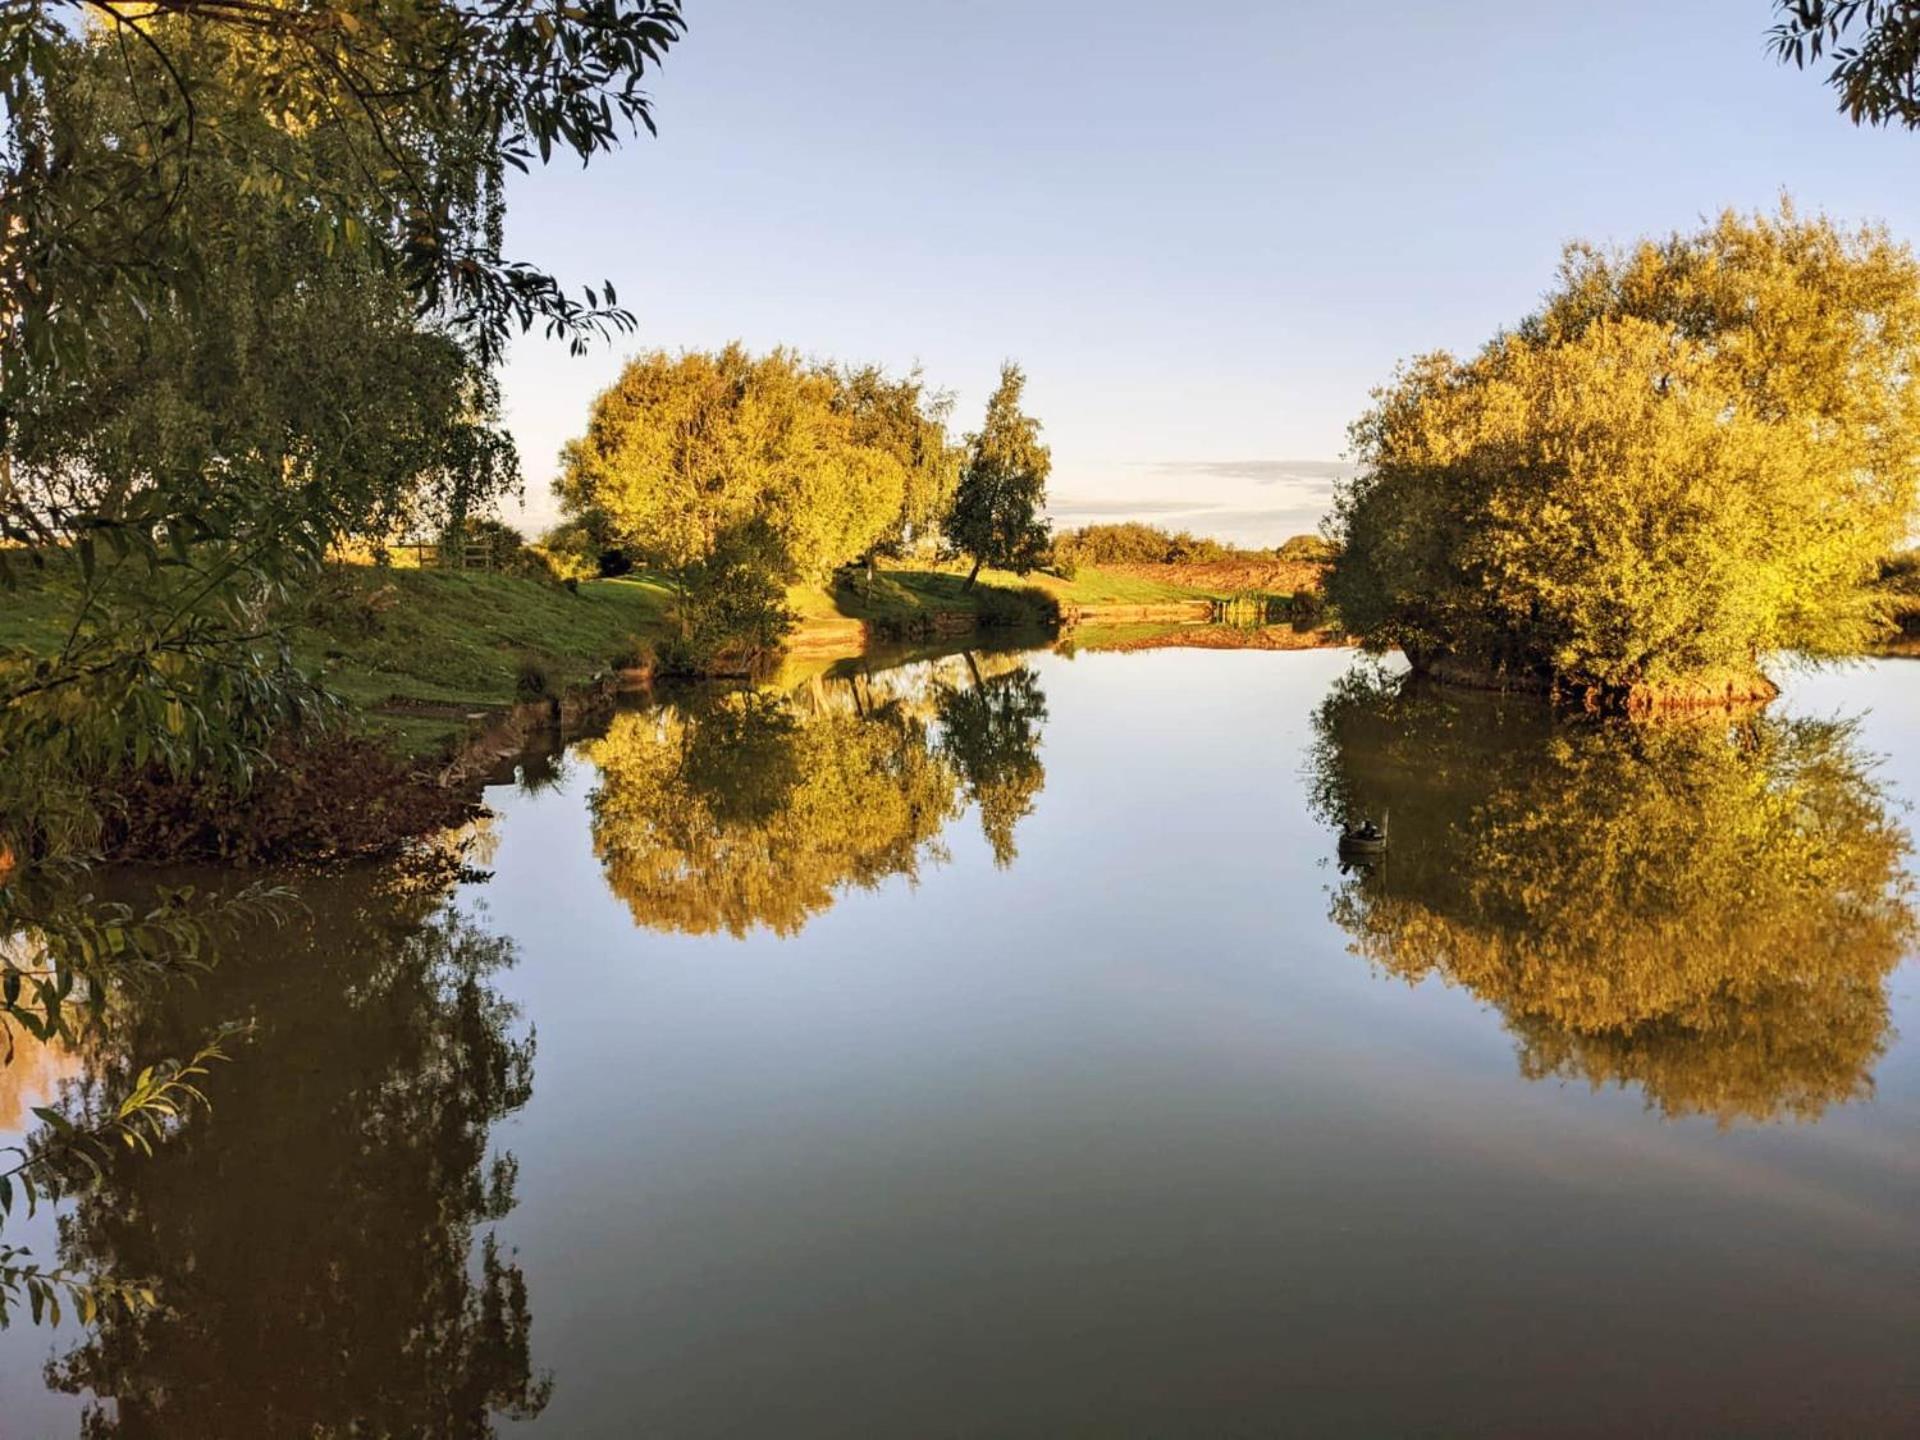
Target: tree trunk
{"points": [[972, 575]]}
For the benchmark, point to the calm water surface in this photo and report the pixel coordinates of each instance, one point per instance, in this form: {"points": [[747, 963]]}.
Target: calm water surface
{"points": [[996, 1047]]}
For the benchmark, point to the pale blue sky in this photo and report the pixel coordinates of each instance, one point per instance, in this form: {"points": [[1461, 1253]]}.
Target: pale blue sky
{"points": [[1206, 229]]}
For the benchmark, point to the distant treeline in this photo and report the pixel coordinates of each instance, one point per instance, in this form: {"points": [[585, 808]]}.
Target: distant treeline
{"points": [[1131, 542]]}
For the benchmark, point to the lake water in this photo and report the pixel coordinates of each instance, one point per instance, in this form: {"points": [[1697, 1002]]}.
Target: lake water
{"points": [[996, 1046]]}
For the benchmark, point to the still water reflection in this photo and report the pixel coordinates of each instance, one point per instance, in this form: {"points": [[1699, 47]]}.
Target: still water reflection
{"points": [[992, 1045], [1703, 908]]}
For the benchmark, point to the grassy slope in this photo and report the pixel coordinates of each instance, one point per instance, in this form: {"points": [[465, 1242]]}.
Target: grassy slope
{"points": [[456, 641], [898, 594], [458, 638]]}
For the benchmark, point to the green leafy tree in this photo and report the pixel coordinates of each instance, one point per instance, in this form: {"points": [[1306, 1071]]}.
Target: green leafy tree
{"points": [[998, 513], [1874, 46], [903, 418], [435, 98], [737, 812], [1695, 455], [682, 452]]}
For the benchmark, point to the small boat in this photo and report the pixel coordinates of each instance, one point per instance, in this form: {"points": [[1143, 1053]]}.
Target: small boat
{"points": [[1366, 838]]}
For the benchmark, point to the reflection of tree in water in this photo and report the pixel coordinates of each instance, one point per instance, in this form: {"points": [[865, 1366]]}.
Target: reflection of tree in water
{"points": [[1707, 909], [734, 810], [990, 733], [312, 1236]]}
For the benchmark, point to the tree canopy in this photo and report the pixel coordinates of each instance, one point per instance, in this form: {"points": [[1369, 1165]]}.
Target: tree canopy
{"points": [[1696, 453], [998, 514], [684, 451]]}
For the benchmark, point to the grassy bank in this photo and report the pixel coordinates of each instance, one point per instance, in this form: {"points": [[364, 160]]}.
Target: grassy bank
{"points": [[418, 653]]}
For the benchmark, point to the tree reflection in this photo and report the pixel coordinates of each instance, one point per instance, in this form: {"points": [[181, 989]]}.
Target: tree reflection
{"points": [[990, 733], [1706, 909], [312, 1235], [744, 809]]}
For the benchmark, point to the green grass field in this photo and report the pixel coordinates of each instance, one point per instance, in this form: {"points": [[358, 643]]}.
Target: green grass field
{"points": [[394, 640], [461, 637]]}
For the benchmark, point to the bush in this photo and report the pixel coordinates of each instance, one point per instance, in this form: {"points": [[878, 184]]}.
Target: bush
{"points": [[731, 616], [532, 679], [1307, 550], [1131, 542]]}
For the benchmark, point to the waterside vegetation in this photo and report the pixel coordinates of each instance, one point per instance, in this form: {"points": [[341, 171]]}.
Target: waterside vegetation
{"points": [[1694, 457]]}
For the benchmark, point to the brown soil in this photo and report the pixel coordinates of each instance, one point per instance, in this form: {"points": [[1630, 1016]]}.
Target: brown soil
{"points": [[1728, 691]]}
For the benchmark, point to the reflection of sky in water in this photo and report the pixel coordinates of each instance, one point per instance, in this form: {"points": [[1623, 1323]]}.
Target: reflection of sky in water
{"points": [[1121, 1139]]}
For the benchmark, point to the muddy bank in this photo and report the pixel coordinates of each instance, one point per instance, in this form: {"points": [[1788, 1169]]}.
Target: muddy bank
{"points": [[1726, 690]]}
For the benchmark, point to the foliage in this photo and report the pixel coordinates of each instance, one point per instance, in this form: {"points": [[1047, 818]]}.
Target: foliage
{"points": [[1307, 550], [1695, 454], [904, 419], [1874, 46], [429, 101], [999, 508], [68, 962], [1707, 910], [1900, 584], [573, 551], [295, 366], [1131, 542], [167, 655], [729, 813], [684, 454], [730, 614], [505, 548]]}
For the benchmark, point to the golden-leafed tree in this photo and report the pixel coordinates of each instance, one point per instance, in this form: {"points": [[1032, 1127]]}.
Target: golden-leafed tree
{"points": [[1693, 456]]}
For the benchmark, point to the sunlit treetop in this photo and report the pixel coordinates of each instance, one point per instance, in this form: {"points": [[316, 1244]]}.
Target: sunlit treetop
{"points": [[1696, 454]]}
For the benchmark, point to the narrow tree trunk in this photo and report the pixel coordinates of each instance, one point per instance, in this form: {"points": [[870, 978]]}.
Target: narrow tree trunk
{"points": [[972, 575]]}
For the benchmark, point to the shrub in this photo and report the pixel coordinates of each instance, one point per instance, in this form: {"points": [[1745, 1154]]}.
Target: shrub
{"points": [[532, 679], [634, 653], [731, 614], [1132, 542], [1307, 550]]}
